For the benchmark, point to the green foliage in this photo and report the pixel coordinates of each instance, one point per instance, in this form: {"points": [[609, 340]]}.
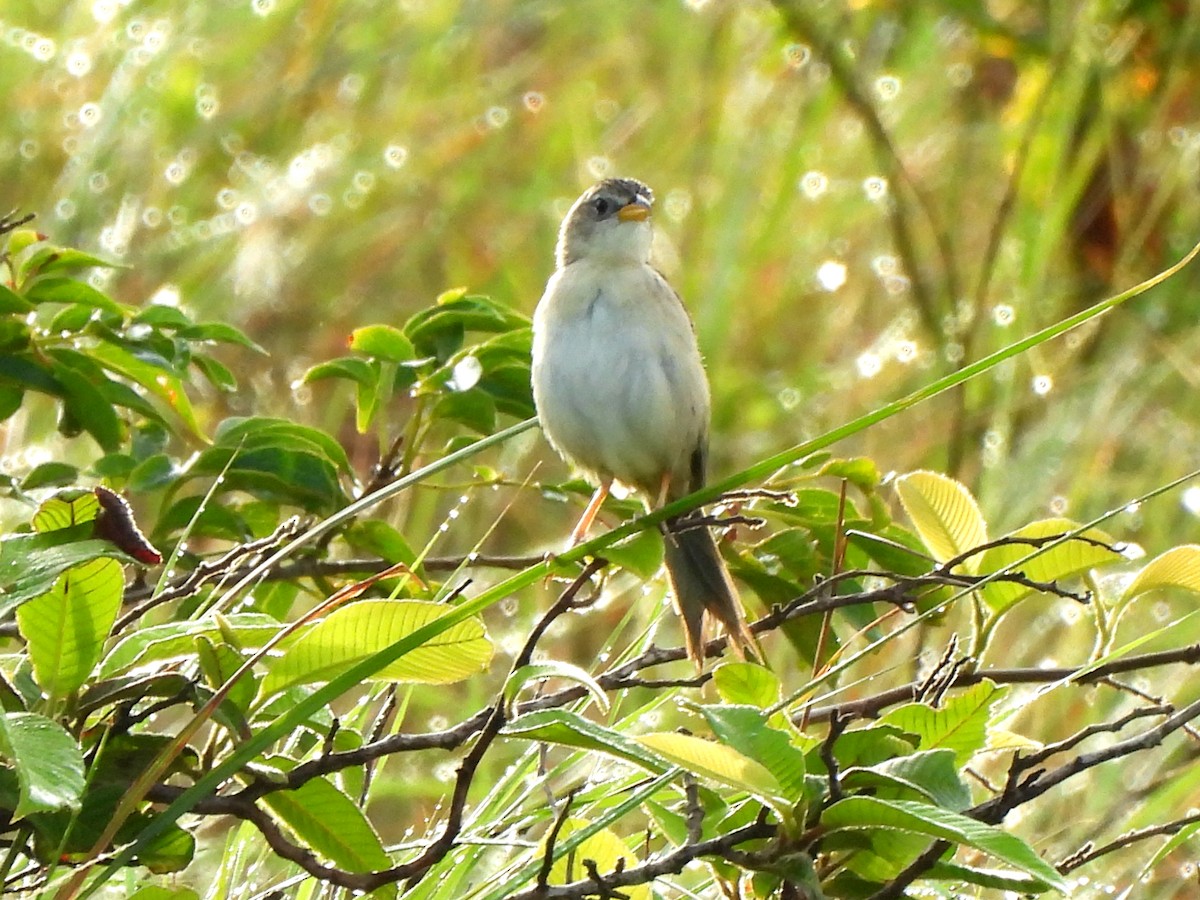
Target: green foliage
{"points": [[424, 730]]}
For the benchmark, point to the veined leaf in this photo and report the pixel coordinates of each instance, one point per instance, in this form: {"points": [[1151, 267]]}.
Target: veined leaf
{"points": [[352, 633], [745, 729], [47, 760], [718, 762], [158, 381], [560, 726], [944, 513], [743, 682], [66, 627], [331, 823], [1179, 567], [1070, 558], [552, 669], [604, 848], [960, 724], [175, 640], [863, 812]]}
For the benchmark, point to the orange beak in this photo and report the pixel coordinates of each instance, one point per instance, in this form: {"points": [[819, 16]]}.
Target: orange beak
{"points": [[637, 211]]}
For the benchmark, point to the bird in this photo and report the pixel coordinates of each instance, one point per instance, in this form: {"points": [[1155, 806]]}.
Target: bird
{"points": [[622, 395]]}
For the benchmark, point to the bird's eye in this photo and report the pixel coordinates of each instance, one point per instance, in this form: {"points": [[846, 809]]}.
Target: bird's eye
{"points": [[602, 205]]}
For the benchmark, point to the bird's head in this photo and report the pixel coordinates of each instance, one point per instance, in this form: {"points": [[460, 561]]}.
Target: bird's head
{"points": [[611, 220]]}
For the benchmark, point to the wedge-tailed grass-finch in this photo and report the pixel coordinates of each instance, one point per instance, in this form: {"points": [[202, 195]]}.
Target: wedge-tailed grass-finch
{"points": [[622, 394]]}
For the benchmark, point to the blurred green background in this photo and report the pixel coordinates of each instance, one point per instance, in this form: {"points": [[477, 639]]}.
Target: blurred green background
{"points": [[305, 168]]}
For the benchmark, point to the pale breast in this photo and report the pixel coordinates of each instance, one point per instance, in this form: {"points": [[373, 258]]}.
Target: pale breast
{"points": [[617, 376]]}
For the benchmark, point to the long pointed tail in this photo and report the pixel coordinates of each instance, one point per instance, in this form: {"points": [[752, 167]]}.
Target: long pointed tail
{"points": [[700, 584]]}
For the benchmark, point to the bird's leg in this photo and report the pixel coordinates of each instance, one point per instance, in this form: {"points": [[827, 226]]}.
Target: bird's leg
{"points": [[664, 489], [589, 514]]}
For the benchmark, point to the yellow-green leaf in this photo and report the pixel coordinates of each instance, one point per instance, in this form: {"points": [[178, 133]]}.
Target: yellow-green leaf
{"points": [[946, 516], [604, 848], [353, 633], [66, 627], [1179, 567], [331, 823], [960, 723], [1065, 560], [712, 760]]}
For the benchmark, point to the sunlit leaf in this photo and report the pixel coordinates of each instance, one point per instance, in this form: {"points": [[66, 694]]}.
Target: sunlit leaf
{"points": [[1065, 560], [219, 333], [871, 812], [931, 775], [959, 724], [177, 640], [719, 762], [47, 760], [352, 633], [560, 726], [604, 848], [66, 627], [71, 290], [944, 513], [331, 823], [743, 682], [552, 669], [382, 341], [157, 380], [1178, 567], [745, 729]]}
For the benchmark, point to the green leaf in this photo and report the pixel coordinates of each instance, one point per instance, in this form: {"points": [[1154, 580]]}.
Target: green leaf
{"points": [[960, 724], [378, 537], [353, 633], [930, 775], [438, 331], [860, 471], [640, 553], [177, 640], [50, 474], [31, 564], [907, 815], [218, 332], [945, 515], [745, 729], [48, 762], [152, 473], [1064, 560], [348, 367], [11, 398], [261, 431], [1178, 567], [474, 409], [331, 823], [156, 379], [718, 762], [12, 302], [743, 682], [61, 259], [162, 316], [382, 341], [65, 509], [24, 370], [552, 669], [605, 848], [70, 290], [218, 374], [89, 407], [66, 627], [560, 726]]}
